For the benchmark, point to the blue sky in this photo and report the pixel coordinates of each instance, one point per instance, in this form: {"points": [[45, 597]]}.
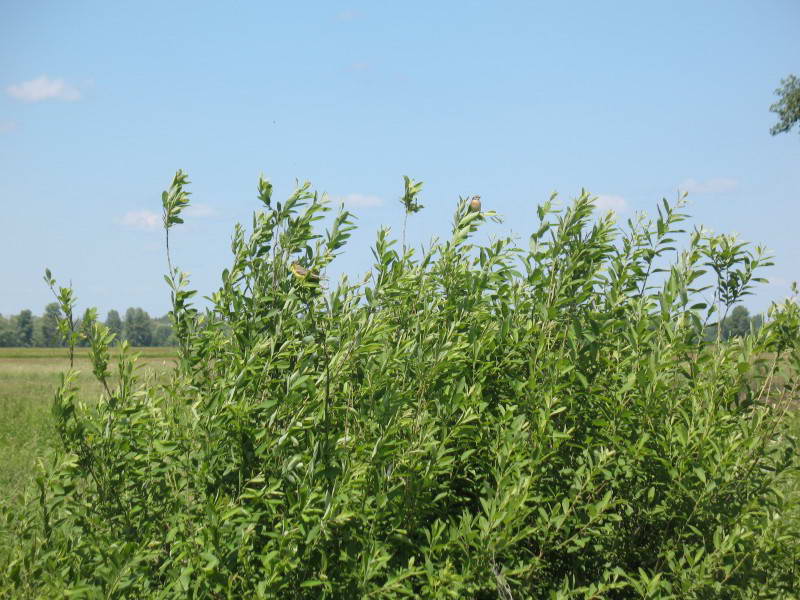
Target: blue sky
{"points": [[100, 103]]}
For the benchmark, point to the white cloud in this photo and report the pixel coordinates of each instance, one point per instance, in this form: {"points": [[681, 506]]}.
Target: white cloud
{"points": [[7, 126], [147, 220], [200, 211], [43, 88], [359, 200], [611, 202], [141, 219], [717, 185]]}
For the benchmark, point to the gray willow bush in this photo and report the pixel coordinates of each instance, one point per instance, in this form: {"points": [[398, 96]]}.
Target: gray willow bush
{"points": [[466, 422]]}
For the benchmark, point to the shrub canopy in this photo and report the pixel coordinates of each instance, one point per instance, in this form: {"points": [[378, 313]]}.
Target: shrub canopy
{"points": [[469, 421]]}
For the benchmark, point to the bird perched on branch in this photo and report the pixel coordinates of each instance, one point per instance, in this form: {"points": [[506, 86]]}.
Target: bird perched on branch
{"points": [[475, 204], [302, 273]]}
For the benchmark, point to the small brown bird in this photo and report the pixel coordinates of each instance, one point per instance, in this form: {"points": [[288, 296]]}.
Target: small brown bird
{"points": [[475, 204], [302, 273]]}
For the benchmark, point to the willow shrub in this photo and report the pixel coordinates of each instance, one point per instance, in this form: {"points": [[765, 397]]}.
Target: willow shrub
{"points": [[467, 422]]}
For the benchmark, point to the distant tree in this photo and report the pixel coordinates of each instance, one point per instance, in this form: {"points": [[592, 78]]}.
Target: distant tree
{"points": [[162, 335], [788, 105], [25, 328], [138, 327], [37, 331], [737, 324], [50, 335], [8, 333], [114, 324]]}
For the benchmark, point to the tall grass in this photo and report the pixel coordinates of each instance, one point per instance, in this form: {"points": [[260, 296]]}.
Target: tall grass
{"points": [[471, 421]]}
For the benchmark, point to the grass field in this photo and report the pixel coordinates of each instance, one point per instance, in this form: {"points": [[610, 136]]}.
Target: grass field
{"points": [[28, 378]]}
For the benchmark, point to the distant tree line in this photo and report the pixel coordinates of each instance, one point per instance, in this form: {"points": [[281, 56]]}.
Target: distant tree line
{"points": [[140, 329], [137, 327]]}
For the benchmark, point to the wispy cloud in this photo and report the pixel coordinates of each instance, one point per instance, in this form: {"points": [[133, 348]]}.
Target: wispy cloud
{"points": [[43, 88], [359, 200], [611, 202], [7, 126], [717, 185], [359, 67], [141, 219], [147, 220], [200, 211], [348, 15]]}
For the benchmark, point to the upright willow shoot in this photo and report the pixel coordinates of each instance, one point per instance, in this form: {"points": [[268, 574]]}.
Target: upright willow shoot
{"points": [[410, 201]]}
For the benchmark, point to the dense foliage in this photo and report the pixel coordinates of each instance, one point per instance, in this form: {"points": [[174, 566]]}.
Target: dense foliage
{"points": [[467, 422]]}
